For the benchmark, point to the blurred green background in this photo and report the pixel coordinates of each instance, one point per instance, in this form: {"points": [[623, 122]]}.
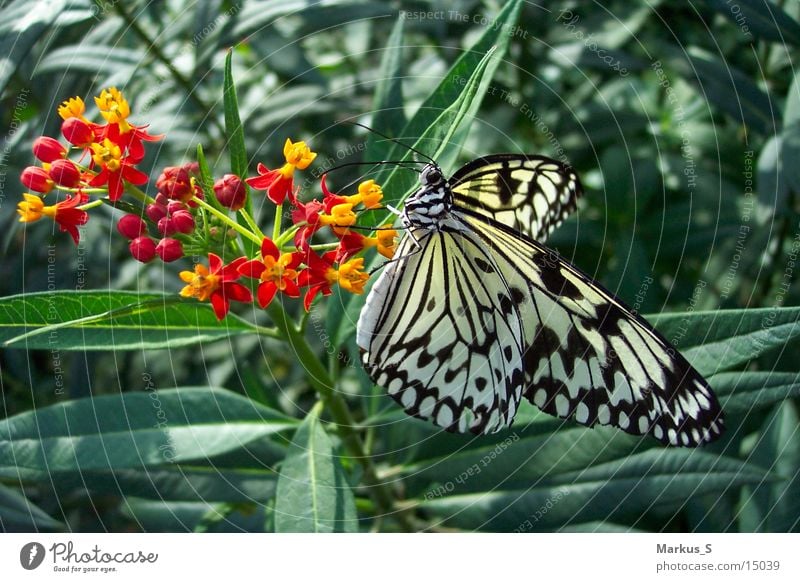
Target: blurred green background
{"points": [[683, 121]]}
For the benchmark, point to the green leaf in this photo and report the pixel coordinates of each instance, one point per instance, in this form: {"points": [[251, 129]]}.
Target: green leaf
{"points": [[173, 483], [438, 128], [442, 122], [745, 392], [190, 516], [515, 461], [661, 479], [313, 494], [790, 143], [17, 513], [233, 124], [760, 18], [715, 341], [387, 104], [234, 132], [90, 58], [775, 507], [110, 320], [135, 429], [732, 91]]}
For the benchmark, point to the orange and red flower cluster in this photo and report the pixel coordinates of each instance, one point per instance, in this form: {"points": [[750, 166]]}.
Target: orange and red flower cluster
{"points": [[301, 266], [183, 218], [107, 155]]}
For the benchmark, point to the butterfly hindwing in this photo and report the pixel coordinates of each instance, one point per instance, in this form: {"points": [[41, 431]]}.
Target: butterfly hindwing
{"points": [[436, 335], [588, 357], [531, 194]]}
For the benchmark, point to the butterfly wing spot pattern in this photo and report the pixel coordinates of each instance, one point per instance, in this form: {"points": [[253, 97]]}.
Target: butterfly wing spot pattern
{"points": [[476, 313]]}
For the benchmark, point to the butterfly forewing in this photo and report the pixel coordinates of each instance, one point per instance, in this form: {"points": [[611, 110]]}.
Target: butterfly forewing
{"points": [[437, 337], [588, 357], [531, 194]]}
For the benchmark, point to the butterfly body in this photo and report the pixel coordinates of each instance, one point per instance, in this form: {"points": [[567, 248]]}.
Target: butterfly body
{"points": [[475, 313]]}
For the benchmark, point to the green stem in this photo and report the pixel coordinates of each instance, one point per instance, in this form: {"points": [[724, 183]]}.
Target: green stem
{"points": [[276, 229], [227, 220], [251, 223], [323, 384], [153, 48], [138, 194], [287, 236]]}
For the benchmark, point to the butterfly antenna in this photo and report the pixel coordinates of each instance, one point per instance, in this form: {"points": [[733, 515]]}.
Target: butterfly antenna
{"points": [[395, 140]]}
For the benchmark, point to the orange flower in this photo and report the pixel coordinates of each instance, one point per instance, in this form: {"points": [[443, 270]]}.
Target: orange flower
{"points": [[217, 283], [277, 272]]}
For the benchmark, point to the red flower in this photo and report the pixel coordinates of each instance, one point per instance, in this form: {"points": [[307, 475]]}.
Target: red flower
{"points": [[115, 168], [306, 215], [316, 276], [65, 213], [277, 272], [217, 283], [276, 182], [320, 276]]}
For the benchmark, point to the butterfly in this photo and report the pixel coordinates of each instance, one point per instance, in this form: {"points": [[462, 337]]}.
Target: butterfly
{"points": [[474, 313]]}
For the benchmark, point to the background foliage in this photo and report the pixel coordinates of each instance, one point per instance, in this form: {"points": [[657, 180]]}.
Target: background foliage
{"points": [[683, 120]]}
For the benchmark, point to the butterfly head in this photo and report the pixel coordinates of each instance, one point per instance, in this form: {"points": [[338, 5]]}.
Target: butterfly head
{"points": [[431, 202]]}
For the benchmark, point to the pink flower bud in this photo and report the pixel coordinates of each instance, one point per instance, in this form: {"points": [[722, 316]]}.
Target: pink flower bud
{"points": [[143, 249], [131, 226], [77, 131], [48, 149], [36, 179], [155, 212], [183, 221], [65, 173], [230, 191], [169, 250]]}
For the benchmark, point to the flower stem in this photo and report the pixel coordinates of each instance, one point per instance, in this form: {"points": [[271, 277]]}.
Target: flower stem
{"points": [[251, 223], [227, 220], [276, 229], [323, 384]]}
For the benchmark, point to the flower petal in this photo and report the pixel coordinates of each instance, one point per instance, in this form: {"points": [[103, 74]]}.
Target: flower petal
{"points": [[266, 292]]}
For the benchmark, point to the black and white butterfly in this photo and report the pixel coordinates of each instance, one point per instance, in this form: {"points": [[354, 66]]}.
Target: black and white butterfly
{"points": [[474, 313]]}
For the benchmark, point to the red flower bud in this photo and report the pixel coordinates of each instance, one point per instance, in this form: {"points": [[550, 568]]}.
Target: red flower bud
{"points": [[192, 168], [230, 191], [65, 173], [77, 131], [169, 250], [167, 226], [143, 249], [131, 226], [183, 221], [155, 212], [48, 149], [175, 183], [174, 206], [36, 179]]}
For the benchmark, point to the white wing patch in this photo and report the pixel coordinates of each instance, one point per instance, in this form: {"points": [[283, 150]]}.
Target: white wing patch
{"points": [[441, 334]]}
